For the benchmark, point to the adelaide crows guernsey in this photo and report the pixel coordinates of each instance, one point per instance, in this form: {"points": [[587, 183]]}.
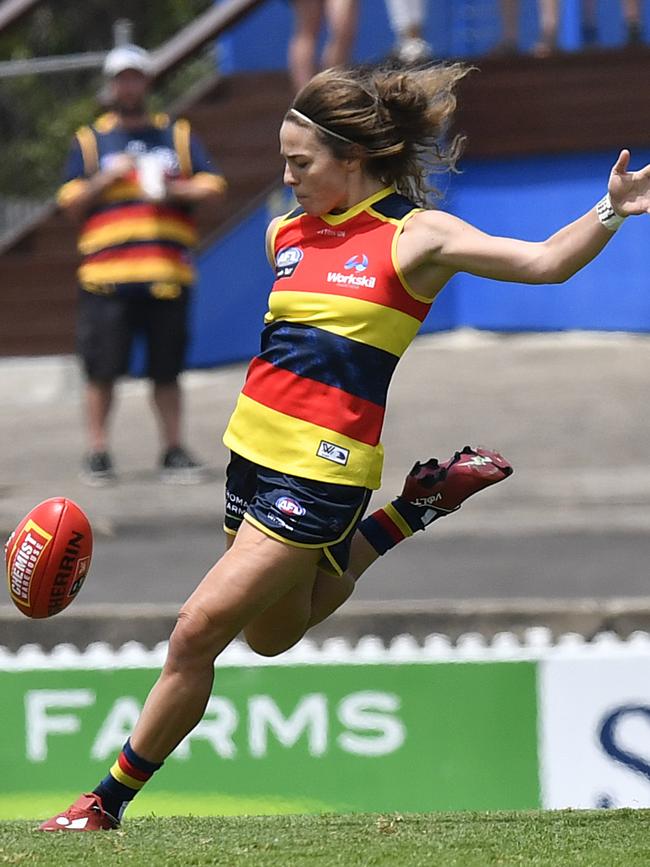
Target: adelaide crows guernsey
{"points": [[340, 316]]}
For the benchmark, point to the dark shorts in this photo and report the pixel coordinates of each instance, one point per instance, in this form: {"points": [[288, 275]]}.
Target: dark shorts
{"points": [[300, 512], [108, 324]]}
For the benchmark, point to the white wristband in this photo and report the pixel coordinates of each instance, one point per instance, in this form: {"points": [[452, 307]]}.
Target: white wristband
{"points": [[607, 215]]}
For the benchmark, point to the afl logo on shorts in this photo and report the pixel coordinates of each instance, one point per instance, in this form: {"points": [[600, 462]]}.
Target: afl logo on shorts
{"points": [[289, 506], [287, 261]]}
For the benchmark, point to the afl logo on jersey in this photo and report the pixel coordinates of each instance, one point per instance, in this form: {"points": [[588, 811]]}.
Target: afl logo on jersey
{"points": [[287, 261], [357, 263], [290, 506]]}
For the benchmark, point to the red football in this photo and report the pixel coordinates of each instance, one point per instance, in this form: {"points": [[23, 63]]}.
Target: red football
{"points": [[48, 557]]}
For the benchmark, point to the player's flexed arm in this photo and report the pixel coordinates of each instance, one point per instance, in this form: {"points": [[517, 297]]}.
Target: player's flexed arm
{"points": [[435, 245]]}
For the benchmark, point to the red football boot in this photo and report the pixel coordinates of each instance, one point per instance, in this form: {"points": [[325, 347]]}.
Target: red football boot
{"points": [[86, 814], [439, 488]]}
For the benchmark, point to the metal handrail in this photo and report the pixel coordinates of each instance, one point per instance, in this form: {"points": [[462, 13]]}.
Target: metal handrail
{"points": [[13, 10], [175, 51], [171, 54]]}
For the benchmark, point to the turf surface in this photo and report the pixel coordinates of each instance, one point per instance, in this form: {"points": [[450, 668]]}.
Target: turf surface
{"points": [[617, 838]]}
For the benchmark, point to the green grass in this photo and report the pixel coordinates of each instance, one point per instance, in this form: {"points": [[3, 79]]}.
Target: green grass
{"points": [[617, 838], [41, 805]]}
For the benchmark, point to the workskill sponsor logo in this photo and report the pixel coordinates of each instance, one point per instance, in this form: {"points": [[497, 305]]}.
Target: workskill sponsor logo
{"points": [[355, 266]]}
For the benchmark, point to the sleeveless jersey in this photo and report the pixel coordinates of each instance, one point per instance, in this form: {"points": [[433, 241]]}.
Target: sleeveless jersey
{"points": [[340, 316], [126, 238]]}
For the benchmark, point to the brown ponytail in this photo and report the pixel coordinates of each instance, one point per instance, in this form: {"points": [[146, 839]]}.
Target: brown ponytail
{"points": [[397, 117]]}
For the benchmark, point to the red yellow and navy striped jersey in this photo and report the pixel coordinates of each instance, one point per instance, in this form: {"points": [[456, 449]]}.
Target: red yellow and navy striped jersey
{"points": [[126, 238], [340, 316]]}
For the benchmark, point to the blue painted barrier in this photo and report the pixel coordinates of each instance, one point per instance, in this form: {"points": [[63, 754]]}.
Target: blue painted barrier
{"points": [[527, 198]]}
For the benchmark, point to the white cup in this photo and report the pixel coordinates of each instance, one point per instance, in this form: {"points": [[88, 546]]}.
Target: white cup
{"points": [[151, 176]]}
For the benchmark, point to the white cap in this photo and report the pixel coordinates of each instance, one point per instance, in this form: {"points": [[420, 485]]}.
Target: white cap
{"points": [[127, 57]]}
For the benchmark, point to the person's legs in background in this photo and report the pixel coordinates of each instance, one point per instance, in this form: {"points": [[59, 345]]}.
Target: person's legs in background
{"points": [[588, 26], [341, 17], [509, 40], [632, 16], [308, 15], [165, 324], [98, 466], [549, 12], [407, 19], [104, 334]]}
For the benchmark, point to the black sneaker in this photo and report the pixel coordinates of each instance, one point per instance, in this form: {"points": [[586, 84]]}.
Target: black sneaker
{"points": [[98, 469], [177, 467]]}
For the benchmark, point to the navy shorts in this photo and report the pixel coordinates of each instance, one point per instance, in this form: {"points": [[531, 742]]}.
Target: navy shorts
{"points": [[298, 511]]}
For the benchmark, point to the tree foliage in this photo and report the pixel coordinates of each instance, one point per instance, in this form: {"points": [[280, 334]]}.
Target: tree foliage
{"points": [[39, 113]]}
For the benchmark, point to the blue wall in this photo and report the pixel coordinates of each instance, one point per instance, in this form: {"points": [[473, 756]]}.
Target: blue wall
{"points": [[454, 28], [524, 198], [527, 198]]}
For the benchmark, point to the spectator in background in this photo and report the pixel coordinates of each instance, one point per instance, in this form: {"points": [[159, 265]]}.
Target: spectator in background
{"points": [[407, 19], [341, 19], [631, 15], [549, 15], [131, 179], [548, 22]]}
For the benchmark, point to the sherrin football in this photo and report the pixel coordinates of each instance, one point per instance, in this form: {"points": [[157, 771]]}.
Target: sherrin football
{"points": [[48, 557]]}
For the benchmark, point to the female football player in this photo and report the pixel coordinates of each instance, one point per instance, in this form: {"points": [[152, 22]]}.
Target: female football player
{"points": [[357, 265]]}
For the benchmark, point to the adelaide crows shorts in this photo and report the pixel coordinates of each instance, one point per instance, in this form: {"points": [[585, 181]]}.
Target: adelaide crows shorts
{"points": [[298, 511]]}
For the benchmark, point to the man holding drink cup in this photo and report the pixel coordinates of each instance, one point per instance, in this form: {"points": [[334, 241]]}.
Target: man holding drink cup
{"points": [[132, 180]]}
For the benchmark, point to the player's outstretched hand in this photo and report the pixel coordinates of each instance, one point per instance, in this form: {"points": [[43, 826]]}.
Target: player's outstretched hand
{"points": [[629, 192]]}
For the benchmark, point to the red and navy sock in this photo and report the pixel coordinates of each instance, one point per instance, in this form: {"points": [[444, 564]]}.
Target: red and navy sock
{"points": [[125, 779], [397, 521]]}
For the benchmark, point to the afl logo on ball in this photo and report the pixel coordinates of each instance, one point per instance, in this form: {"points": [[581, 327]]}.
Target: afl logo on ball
{"points": [[287, 261], [289, 506]]}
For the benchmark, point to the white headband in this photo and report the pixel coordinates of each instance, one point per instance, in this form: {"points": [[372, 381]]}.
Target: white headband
{"points": [[318, 126]]}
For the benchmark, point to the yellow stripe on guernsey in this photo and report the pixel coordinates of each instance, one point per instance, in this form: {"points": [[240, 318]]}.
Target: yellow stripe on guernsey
{"points": [[142, 228], [126, 780], [89, 152], [208, 181], [121, 191], [140, 271], [70, 191], [298, 441], [354, 318]]}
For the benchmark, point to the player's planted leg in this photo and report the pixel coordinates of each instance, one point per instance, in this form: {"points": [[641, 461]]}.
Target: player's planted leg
{"points": [[253, 574]]}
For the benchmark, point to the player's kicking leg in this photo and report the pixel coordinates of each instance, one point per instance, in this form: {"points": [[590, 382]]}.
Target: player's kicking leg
{"points": [[432, 490]]}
